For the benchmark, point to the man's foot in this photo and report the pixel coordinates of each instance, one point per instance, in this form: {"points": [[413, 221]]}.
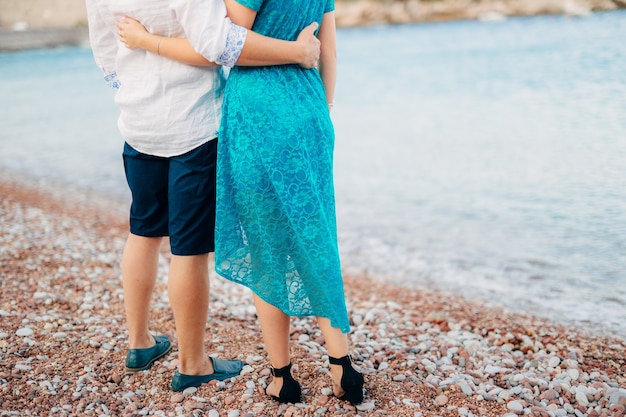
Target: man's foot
{"points": [[222, 369], [142, 359]]}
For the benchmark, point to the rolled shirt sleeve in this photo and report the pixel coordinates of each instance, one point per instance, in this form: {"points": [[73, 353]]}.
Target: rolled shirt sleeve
{"points": [[104, 42], [234, 45], [209, 31]]}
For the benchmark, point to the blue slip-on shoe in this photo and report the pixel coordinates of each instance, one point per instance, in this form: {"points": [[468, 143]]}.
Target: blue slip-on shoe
{"points": [[223, 369], [142, 359]]}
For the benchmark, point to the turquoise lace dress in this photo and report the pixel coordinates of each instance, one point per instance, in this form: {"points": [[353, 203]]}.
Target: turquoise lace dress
{"points": [[275, 219]]}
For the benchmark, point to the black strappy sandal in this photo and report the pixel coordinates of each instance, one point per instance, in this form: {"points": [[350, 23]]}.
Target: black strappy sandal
{"points": [[351, 380], [290, 392]]}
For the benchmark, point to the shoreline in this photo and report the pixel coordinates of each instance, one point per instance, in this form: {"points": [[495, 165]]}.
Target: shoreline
{"points": [[424, 353], [32, 24], [13, 41]]}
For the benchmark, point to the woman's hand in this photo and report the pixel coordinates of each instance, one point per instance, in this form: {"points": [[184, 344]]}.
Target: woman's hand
{"points": [[132, 33]]}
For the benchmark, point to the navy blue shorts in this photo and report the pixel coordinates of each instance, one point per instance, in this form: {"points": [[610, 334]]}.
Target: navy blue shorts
{"points": [[174, 197]]}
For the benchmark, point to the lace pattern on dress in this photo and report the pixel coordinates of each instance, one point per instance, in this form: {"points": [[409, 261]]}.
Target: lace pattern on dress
{"points": [[276, 229]]}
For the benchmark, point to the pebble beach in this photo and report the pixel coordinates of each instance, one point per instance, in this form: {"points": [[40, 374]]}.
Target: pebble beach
{"points": [[424, 353]]}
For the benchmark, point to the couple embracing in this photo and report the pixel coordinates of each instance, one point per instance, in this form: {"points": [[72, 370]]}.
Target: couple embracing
{"points": [[265, 206]]}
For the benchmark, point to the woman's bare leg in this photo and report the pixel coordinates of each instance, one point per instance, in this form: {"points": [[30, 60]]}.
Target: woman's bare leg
{"points": [[337, 347], [275, 329]]}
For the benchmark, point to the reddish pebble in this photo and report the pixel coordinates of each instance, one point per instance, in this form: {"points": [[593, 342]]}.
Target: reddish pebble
{"points": [[441, 400], [115, 377], [177, 398]]}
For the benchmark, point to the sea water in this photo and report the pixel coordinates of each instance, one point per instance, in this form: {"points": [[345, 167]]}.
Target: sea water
{"points": [[487, 159]]}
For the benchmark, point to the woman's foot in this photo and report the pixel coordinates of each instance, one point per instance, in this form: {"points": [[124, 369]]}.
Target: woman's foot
{"points": [[350, 385], [283, 387]]}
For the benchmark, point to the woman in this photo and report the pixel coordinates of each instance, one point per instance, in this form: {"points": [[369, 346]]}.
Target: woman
{"points": [[275, 217]]}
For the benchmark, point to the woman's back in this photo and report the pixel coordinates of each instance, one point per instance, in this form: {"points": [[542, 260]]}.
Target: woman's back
{"points": [[284, 19], [275, 226]]}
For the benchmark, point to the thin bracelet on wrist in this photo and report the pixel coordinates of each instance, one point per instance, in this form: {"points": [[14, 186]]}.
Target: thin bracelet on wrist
{"points": [[158, 46]]}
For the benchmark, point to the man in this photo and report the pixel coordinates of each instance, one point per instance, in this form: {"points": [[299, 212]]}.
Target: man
{"points": [[169, 117]]}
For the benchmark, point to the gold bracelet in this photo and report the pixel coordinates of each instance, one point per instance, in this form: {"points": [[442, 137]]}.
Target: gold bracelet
{"points": [[331, 104], [158, 45]]}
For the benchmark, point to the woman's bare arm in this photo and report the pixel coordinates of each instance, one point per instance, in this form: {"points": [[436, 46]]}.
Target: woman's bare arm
{"points": [[135, 36], [328, 57], [257, 49]]}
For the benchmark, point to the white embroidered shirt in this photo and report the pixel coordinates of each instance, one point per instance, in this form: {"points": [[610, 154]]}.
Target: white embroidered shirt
{"points": [[166, 108]]}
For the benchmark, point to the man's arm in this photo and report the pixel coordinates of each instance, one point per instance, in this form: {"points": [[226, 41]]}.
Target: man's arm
{"points": [[103, 42]]}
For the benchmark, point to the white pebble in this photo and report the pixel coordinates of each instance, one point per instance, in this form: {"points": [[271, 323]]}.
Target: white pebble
{"points": [[490, 369], [581, 399], [247, 369], [365, 406], [554, 362], [24, 332], [515, 406], [409, 403], [467, 390], [573, 374], [618, 397]]}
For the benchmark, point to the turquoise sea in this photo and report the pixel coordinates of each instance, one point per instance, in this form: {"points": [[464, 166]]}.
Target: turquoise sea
{"points": [[483, 159]]}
